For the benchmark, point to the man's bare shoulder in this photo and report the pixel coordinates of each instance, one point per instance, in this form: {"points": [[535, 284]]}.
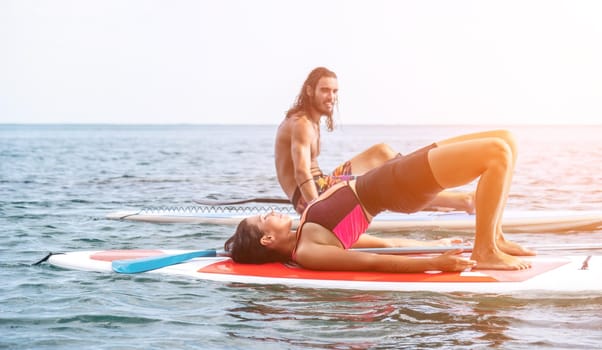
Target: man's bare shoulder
{"points": [[297, 119], [298, 123]]}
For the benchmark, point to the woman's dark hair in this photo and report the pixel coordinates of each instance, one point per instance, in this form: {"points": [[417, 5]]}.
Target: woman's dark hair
{"points": [[303, 101], [245, 246]]}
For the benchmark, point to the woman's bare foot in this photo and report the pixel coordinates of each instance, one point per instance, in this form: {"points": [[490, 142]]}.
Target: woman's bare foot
{"points": [[469, 205], [498, 260], [450, 201]]}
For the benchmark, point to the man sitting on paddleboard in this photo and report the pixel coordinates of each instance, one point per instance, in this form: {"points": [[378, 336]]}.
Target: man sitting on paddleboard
{"points": [[338, 219], [298, 147]]}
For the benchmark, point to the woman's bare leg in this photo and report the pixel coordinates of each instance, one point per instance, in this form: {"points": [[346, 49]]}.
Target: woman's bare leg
{"points": [[504, 135], [490, 158]]}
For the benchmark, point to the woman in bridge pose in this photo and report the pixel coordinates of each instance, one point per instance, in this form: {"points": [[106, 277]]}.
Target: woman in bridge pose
{"points": [[338, 219]]}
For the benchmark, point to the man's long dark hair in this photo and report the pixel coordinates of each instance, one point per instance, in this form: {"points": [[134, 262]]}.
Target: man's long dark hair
{"points": [[303, 101], [245, 246]]}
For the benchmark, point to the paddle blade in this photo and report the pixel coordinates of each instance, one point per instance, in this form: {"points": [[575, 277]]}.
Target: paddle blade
{"points": [[157, 262], [202, 201]]}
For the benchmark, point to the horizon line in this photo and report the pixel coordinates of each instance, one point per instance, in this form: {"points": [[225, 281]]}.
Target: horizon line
{"points": [[276, 124]]}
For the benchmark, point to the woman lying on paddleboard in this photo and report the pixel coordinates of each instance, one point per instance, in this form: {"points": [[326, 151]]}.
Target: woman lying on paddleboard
{"points": [[338, 219]]}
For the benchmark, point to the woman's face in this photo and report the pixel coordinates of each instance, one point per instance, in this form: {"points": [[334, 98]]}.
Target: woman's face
{"points": [[273, 223]]}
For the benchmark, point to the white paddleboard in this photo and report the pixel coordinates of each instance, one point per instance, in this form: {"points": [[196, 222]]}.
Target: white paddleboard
{"points": [[549, 273], [514, 221]]}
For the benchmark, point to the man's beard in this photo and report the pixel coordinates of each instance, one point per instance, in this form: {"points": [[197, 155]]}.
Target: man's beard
{"points": [[323, 111]]}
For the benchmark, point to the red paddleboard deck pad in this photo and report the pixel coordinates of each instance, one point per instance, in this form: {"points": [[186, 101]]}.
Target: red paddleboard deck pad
{"points": [[514, 221], [548, 273]]}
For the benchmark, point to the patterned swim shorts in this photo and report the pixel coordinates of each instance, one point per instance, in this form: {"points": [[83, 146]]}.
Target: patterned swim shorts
{"points": [[324, 182]]}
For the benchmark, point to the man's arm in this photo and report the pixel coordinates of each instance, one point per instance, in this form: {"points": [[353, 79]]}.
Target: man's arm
{"points": [[301, 144]]}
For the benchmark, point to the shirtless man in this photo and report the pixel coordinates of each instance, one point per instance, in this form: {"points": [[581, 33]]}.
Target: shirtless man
{"points": [[297, 148]]}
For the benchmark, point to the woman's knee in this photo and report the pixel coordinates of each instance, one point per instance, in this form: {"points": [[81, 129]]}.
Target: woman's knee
{"points": [[500, 152], [508, 138]]}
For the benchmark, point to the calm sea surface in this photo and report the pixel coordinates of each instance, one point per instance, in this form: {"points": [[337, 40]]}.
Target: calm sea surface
{"points": [[57, 183]]}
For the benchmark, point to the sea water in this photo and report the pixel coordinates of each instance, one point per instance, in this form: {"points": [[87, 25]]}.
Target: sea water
{"points": [[57, 183]]}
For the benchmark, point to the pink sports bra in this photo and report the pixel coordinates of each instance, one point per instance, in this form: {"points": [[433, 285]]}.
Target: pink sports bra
{"points": [[341, 213]]}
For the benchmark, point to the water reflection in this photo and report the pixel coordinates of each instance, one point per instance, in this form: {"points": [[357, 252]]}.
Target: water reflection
{"points": [[332, 319]]}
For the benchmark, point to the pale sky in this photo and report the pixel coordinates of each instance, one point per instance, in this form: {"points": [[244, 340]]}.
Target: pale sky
{"points": [[244, 61]]}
